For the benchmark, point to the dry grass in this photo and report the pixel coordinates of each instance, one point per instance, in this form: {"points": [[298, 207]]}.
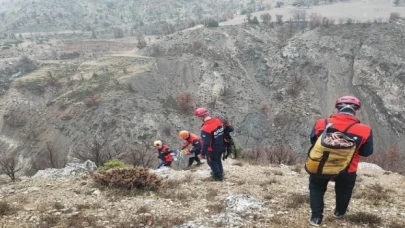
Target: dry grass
{"points": [[396, 224], [188, 178], [216, 208], [80, 221], [211, 194], [240, 164], [277, 172], [268, 182], [6, 208], [87, 206], [43, 206], [58, 205], [170, 220], [143, 209], [297, 169], [362, 218], [240, 182], [48, 221], [375, 194], [295, 200]]}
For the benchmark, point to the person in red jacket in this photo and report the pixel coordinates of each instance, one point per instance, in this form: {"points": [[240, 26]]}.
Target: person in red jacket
{"points": [[344, 119], [196, 142], [164, 153], [212, 135]]}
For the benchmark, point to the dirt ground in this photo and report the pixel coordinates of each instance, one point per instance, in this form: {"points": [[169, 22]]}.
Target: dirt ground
{"points": [[281, 193]]}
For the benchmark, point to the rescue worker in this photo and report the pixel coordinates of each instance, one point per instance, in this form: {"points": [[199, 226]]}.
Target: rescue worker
{"points": [[164, 153], [212, 135], [343, 119], [195, 141]]}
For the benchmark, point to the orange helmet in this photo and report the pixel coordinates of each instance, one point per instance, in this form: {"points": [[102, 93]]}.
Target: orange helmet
{"points": [[184, 134]]}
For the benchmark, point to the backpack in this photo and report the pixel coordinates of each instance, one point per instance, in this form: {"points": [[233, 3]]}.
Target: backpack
{"points": [[332, 152], [229, 143]]}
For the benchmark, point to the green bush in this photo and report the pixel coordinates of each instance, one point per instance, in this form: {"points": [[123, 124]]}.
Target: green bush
{"points": [[137, 178], [113, 164], [212, 23]]}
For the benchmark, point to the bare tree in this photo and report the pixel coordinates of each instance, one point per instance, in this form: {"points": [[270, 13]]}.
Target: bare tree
{"points": [[99, 151], [50, 157], [141, 156], [266, 18], [9, 165]]}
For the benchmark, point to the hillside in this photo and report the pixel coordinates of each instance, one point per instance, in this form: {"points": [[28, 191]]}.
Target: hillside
{"points": [[250, 196], [272, 81], [151, 16]]}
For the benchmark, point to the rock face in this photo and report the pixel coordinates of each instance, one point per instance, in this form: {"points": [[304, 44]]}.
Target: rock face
{"points": [[270, 87]]}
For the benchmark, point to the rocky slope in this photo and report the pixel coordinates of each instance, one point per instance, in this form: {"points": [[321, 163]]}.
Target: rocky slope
{"points": [[272, 82], [102, 16], [250, 196]]}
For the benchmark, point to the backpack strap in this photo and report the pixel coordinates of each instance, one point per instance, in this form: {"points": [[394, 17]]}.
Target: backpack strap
{"points": [[350, 126]]}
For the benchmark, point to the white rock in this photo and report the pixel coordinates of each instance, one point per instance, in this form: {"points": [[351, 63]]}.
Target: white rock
{"points": [[366, 165], [69, 170]]}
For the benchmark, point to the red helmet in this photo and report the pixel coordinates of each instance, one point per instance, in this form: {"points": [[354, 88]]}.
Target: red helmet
{"points": [[201, 112], [348, 100]]}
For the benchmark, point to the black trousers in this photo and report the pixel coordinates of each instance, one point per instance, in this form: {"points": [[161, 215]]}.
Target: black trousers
{"points": [[344, 184], [195, 158]]}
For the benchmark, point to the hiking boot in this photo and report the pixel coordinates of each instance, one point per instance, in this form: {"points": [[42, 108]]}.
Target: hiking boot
{"points": [[337, 214], [216, 178], [198, 164], [315, 221]]}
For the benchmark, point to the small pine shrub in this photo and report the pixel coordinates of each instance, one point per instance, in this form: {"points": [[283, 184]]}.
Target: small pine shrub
{"points": [[113, 164], [137, 178]]}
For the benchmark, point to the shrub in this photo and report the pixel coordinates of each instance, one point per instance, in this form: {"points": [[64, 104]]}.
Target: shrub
{"points": [[314, 21], [70, 55], [27, 65], [129, 178], [197, 44], [185, 101], [93, 100], [253, 21], [99, 150], [118, 32], [113, 164], [212, 23], [279, 19], [9, 165], [266, 18], [397, 2], [388, 160], [271, 155], [34, 86], [279, 4], [364, 218], [394, 17], [141, 156]]}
